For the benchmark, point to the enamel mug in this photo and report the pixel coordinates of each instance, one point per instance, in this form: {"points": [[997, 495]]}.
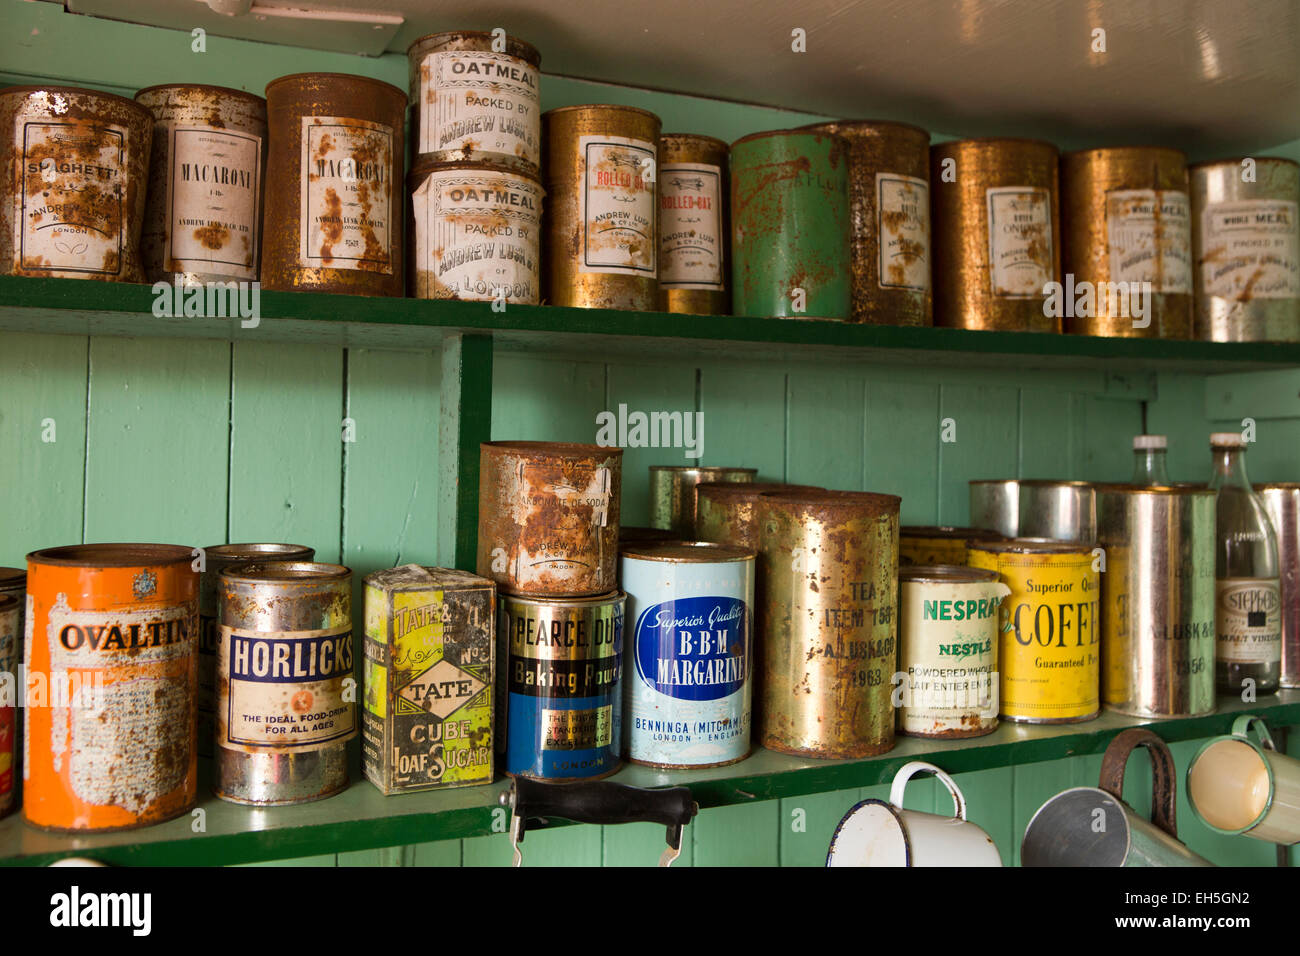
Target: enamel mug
{"points": [[1238, 786], [876, 833]]}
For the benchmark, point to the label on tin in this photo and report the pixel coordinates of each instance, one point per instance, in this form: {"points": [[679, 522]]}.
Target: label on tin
{"points": [[1020, 241], [903, 221], [476, 101], [1250, 249], [71, 204], [347, 167], [213, 187], [578, 501], [1148, 232], [1248, 620], [476, 236], [690, 227], [284, 690], [617, 206], [577, 729]]}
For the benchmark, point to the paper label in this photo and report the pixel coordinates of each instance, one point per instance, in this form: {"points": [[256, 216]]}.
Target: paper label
{"points": [[1148, 233], [480, 102], [903, 213], [347, 184], [213, 188], [1248, 620], [1250, 249], [617, 206], [1020, 241], [690, 226]]}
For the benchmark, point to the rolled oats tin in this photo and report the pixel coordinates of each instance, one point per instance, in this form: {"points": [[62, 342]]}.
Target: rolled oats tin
{"points": [[693, 194]]}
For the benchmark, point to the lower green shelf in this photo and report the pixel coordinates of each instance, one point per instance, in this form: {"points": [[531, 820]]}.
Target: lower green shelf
{"points": [[361, 818]]}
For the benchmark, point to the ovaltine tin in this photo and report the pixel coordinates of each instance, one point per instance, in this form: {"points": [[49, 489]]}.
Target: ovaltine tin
{"points": [[672, 493], [203, 221], [112, 630], [1246, 249], [430, 654], [548, 517], [333, 185], [693, 194], [1059, 510], [921, 544], [215, 558], [284, 657], [726, 512], [790, 225], [476, 99], [1050, 652], [1282, 500], [1125, 243], [996, 233], [948, 650], [11, 643], [829, 565], [995, 505], [473, 233], [687, 690], [889, 206], [601, 245], [564, 694], [1157, 600], [78, 165]]}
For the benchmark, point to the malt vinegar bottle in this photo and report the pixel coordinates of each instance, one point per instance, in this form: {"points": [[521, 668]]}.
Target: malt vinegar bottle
{"points": [[1149, 460], [1247, 605]]}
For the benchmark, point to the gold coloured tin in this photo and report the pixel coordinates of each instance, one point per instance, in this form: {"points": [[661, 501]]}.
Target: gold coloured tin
{"points": [[694, 268]]}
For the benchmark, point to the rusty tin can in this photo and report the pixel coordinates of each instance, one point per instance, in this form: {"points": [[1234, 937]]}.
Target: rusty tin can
{"points": [[1126, 243], [111, 632], [995, 505], [693, 227], [11, 651], [560, 717], [889, 210], [829, 565], [474, 104], [672, 493], [78, 167], [790, 252], [726, 512], [601, 175], [948, 650], [215, 558], [1049, 655], [1246, 250], [203, 220], [284, 659], [548, 517], [333, 185], [939, 545], [429, 664], [473, 233], [996, 222], [1282, 501], [1059, 510], [1157, 600]]}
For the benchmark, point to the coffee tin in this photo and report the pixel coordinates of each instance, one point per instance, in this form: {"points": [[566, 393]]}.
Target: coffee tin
{"points": [[693, 195], [945, 545]]}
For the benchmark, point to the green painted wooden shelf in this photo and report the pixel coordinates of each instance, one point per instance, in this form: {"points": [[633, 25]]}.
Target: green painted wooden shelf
{"points": [[361, 818], [78, 307]]}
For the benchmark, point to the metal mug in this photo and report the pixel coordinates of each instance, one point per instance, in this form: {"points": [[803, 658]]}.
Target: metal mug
{"points": [[879, 833], [1238, 786], [1093, 826]]}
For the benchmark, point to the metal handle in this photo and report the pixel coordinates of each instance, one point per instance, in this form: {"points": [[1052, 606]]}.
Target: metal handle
{"points": [[1241, 728], [909, 770], [1164, 781]]}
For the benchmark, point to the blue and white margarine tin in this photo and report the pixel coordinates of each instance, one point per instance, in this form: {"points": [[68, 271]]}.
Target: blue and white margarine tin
{"points": [[687, 690]]}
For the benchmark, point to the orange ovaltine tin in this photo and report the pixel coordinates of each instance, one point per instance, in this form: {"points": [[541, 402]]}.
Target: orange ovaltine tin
{"points": [[112, 631]]}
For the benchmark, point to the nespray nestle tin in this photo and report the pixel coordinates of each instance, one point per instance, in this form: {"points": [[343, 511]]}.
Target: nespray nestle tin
{"points": [[563, 701], [1049, 654], [11, 643], [926, 544], [689, 647], [111, 630], [948, 650]]}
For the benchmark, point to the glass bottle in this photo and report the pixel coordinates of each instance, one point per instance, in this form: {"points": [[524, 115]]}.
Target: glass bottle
{"points": [[1149, 460], [1247, 604]]}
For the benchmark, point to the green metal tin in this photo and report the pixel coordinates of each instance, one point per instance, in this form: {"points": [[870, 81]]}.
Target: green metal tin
{"points": [[790, 225]]}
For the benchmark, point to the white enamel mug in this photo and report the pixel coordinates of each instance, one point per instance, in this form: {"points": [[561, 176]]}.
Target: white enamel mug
{"points": [[1238, 786], [876, 833]]}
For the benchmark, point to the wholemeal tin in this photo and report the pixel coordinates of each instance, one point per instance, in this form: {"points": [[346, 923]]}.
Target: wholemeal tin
{"points": [[672, 493], [429, 678], [933, 544], [111, 633], [693, 193], [689, 649]]}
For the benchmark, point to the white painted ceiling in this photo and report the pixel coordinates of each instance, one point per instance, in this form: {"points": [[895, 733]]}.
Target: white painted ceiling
{"points": [[1203, 74]]}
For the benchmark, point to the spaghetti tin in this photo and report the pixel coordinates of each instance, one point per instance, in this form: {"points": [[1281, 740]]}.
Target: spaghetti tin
{"points": [[203, 220], [333, 185], [286, 696], [672, 493], [930, 545], [693, 193], [948, 650], [727, 511], [78, 167], [687, 689], [563, 701], [429, 671], [111, 632], [11, 644], [548, 517]]}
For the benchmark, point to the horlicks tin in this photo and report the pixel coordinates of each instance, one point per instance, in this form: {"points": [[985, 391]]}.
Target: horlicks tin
{"points": [[563, 700], [687, 692]]}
